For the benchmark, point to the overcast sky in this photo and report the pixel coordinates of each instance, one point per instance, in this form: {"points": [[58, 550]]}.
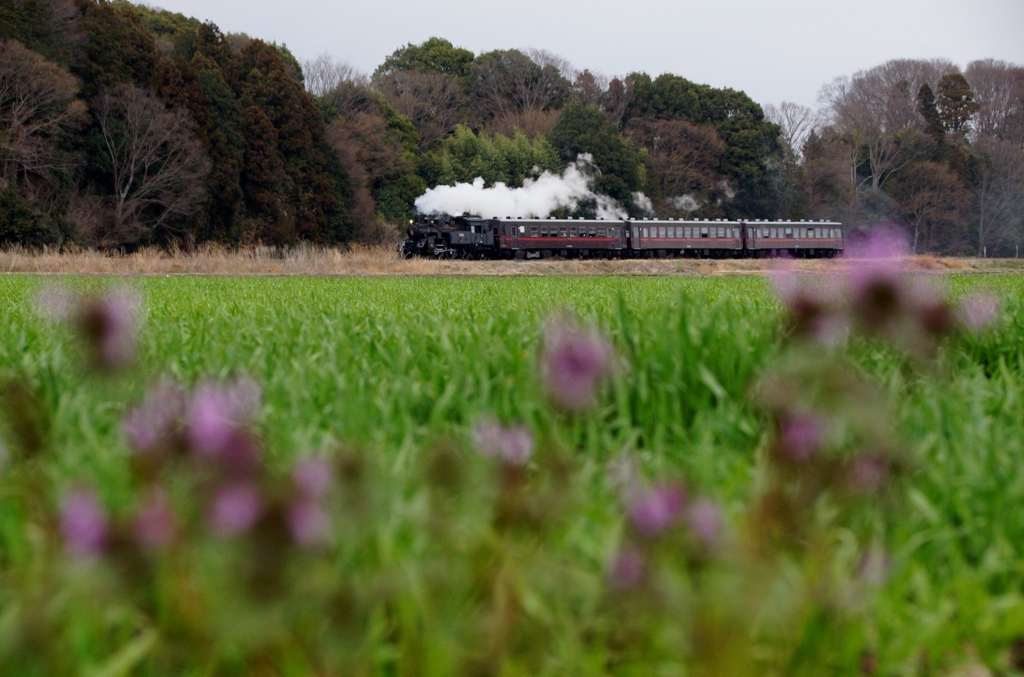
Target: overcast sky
{"points": [[780, 51]]}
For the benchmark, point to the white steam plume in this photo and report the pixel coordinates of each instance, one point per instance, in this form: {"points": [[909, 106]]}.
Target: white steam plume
{"points": [[644, 203], [536, 199], [686, 203]]}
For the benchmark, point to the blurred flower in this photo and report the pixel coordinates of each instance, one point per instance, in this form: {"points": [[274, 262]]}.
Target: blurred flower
{"points": [[513, 445], [627, 568], [313, 477], [812, 303], [155, 523], [704, 518], [654, 510], [216, 424], [800, 436], [236, 508], [109, 324], [878, 292], [83, 523], [308, 522], [573, 362], [56, 302], [154, 423], [869, 473], [976, 311]]}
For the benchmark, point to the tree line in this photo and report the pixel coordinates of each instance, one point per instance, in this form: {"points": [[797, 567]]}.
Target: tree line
{"points": [[123, 125]]}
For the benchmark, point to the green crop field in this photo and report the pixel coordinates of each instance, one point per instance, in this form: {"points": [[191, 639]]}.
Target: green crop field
{"points": [[442, 557]]}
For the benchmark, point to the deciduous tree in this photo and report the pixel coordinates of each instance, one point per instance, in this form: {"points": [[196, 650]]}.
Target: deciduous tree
{"points": [[38, 110], [157, 165]]}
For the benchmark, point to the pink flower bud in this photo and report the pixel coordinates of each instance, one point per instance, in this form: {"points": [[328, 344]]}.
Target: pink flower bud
{"points": [[800, 437], [653, 511], [313, 477], [513, 445], [573, 363], [627, 569], [83, 523], [154, 423], [704, 518], [308, 522], [236, 508]]}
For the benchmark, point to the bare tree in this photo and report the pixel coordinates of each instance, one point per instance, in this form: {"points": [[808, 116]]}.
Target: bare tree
{"points": [[589, 88], [324, 74], [999, 91], [509, 82], [543, 57], [999, 192], [682, 161], [617, 98], [796, 122], [432, 101], [38, 108], [158, 166], [878, 107]]}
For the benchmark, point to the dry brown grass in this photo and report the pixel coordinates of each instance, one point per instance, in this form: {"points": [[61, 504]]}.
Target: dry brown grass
{"points": [[383, 261]]}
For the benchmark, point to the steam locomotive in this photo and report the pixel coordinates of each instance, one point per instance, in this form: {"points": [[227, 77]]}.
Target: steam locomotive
{"points": [[464, 237]]}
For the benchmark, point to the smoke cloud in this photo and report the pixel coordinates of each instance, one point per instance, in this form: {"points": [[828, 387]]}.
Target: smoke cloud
{"points": [[536, 199], [643, 202], [686, 203]]}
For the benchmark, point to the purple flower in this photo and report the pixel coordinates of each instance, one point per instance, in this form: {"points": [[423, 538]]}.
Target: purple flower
{"points": [[83, 523], [109, 324], [800, 437], [308, 522], [627, 568], [513, 445], [216, 423], [878, 292], [313, 477], [154, 423], [236, 508], [155, 523], [573, 362], [704, 518], [869, 474], [811, 303], [654, 510], [976, 311]]}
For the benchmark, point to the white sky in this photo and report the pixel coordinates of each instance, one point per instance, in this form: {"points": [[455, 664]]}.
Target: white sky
{"points": [[780, 51]]}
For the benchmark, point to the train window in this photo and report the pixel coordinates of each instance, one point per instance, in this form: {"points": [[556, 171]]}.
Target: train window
{"points": [[533, 231], [562, 232], [789, 232], [661, 232], [703, 232], [721, 232], [600, 232], [686, 232], [646, 232], [774, 233], [572, 232]]}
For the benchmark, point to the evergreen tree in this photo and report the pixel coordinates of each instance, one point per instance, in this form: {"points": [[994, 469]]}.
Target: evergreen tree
{"points": [[436, 55], [955, 103], [118, 49], [585, 129], [926, 107]]}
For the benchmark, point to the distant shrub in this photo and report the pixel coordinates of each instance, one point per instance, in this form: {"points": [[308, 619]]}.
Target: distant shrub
{"points": [[23, 223]]}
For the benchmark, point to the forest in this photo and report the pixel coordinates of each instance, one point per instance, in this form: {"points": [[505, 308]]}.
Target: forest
{"points": [[124, 126]]}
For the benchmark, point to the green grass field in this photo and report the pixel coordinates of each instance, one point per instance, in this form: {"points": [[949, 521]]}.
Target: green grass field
{"points": [[424, 577]]}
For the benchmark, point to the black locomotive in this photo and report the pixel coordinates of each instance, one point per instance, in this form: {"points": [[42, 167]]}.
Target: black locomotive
{"points": [[463, 237]]}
